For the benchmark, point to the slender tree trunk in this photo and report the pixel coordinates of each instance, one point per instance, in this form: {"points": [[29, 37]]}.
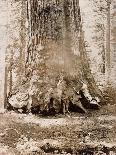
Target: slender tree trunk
{"points": [[23, 40], [10, 80], [108, 50], [5, 86]]}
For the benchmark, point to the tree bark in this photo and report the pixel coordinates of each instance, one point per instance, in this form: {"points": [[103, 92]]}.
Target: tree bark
{"points": [[5, 87], [108, 31], [23, 38]]}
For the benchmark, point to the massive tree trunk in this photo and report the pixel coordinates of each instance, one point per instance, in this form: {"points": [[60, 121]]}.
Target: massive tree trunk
{"points": [[54, 28], [56, 57]]}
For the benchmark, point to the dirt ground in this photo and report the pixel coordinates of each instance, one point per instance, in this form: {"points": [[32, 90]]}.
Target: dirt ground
{"points": [[85, 134]]}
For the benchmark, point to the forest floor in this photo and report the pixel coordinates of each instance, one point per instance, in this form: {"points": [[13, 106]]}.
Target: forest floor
{"points": [[86, 134]]}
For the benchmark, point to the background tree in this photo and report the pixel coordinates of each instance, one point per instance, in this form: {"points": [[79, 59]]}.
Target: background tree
{"points": [[108, 36], [102, 27]]}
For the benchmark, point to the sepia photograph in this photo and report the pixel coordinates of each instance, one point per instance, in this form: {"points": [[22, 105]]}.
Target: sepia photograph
{"points": [[57, 77]]}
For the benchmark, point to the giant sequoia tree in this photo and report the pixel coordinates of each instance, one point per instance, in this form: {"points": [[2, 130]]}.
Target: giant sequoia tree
{"points": [[53, 32], [56, 61], [56, 44]]}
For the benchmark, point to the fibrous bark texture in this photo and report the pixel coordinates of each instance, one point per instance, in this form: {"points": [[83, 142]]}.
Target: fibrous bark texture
{"points": [[56, 64]]}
